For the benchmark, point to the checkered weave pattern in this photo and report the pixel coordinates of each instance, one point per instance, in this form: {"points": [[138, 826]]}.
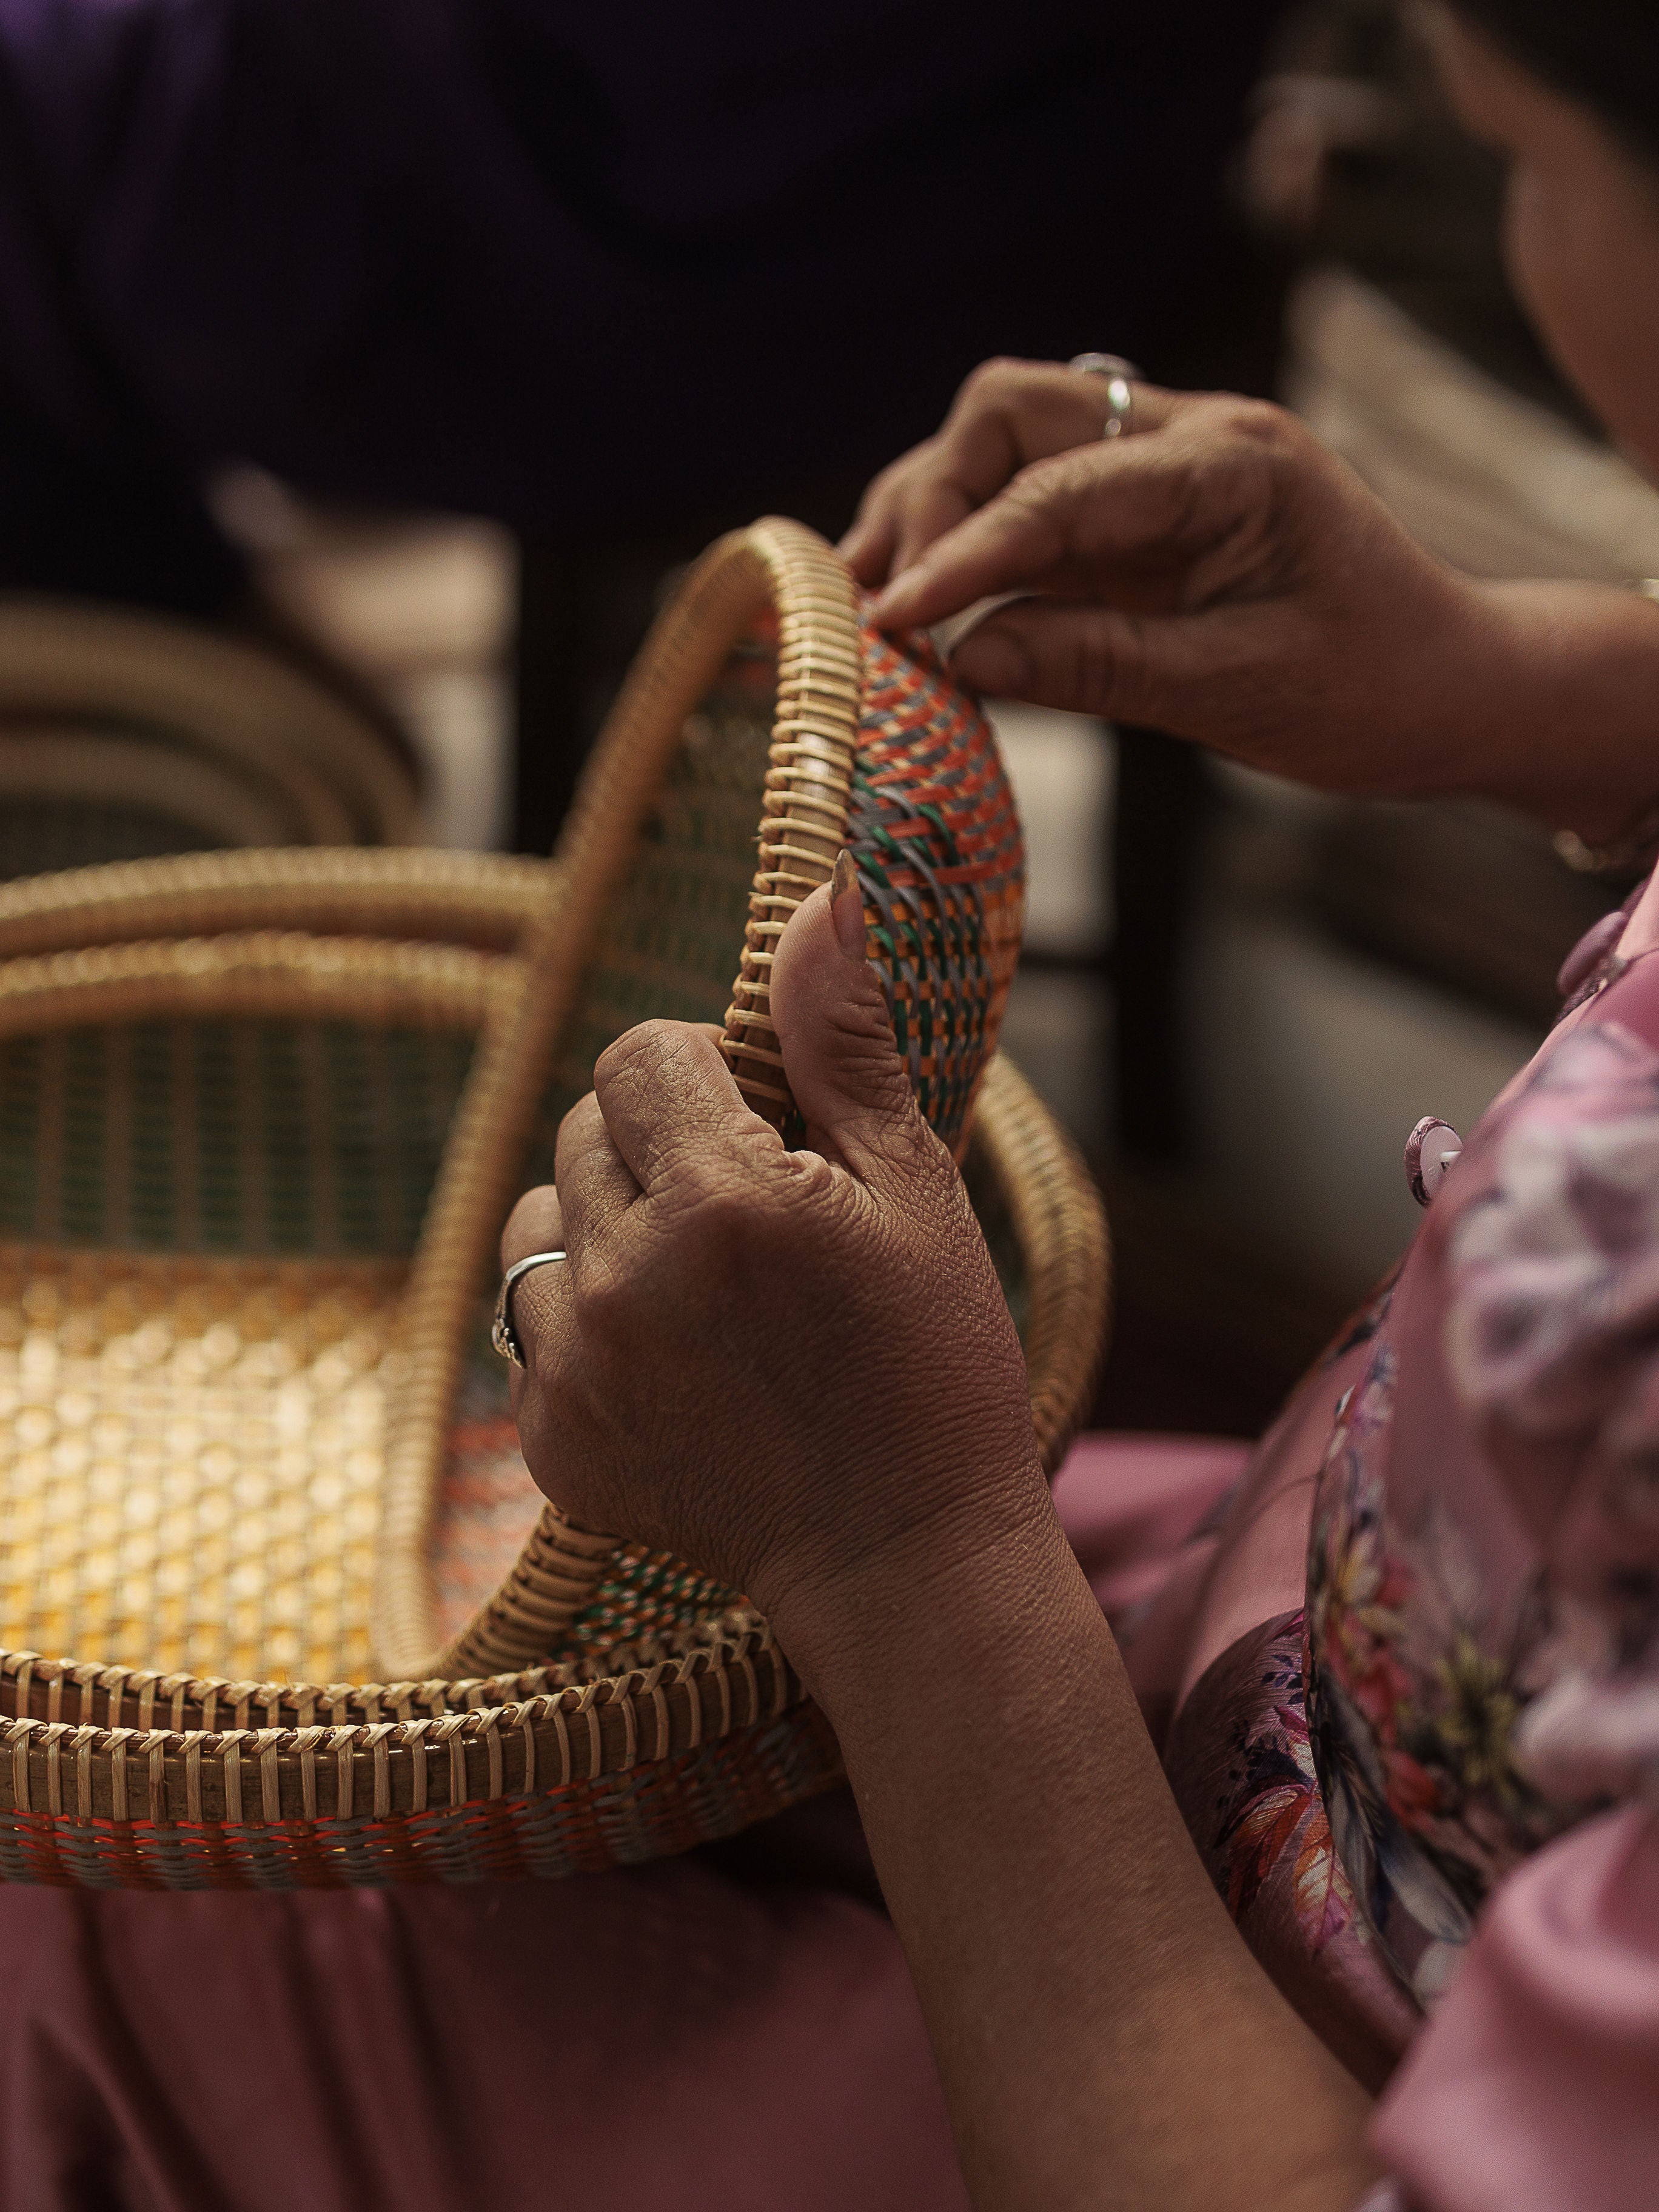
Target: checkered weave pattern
{"points": [[941, 863]]}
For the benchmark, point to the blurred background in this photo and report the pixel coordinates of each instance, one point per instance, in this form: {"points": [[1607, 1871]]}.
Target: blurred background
{"points": [[365, 374]]}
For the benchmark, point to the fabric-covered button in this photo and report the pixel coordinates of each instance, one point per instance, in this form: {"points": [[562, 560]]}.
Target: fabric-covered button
{"points": [[1431, 1148]]}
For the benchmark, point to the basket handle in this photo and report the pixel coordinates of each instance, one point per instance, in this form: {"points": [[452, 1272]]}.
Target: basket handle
{"points": [[808, 789]]}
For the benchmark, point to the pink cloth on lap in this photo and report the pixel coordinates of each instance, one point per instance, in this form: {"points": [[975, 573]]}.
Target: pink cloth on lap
{"points": [[660, 2040], [1130, 1503]]}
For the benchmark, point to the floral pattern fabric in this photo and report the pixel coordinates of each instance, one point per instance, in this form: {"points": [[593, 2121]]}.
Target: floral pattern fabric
{"points": [[1476, 1666], [1275, 1813], [1483, 1575], [1419, 1682]]}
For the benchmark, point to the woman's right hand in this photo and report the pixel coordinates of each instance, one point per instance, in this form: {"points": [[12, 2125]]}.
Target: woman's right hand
{"points": [[1216, 572]]}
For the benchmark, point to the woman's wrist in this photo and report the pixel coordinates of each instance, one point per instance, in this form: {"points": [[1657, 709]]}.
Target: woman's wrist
{"points": [[964, 1562], [1562, 708]]}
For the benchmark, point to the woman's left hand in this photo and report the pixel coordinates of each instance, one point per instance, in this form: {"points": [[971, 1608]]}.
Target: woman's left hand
{"points": [[774, 1364], [797, 1369]]}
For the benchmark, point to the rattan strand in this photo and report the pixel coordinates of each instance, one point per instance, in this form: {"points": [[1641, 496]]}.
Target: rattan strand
{"points": [[485, 899], [194, 1444], [193, 1448], [261, 973], [1059, 1224], [63, 766], [362, 1749]]}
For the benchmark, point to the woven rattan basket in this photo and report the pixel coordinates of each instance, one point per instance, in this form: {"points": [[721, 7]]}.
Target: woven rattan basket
{"points": [[125, 734], [261, 1116]]}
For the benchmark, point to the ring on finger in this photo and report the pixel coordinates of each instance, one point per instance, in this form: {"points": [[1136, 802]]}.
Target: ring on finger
{"points": [[503, 1333], [1120, 377]]}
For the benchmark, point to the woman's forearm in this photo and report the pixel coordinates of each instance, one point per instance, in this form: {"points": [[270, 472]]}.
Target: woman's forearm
{"points": [[1104, 2035], [1560, 717]]}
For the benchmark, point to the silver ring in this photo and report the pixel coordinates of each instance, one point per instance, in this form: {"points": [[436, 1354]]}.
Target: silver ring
{"points": [[502, 1334], [1121, 378]]}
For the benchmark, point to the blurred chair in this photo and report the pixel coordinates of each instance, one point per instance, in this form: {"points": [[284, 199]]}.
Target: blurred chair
{"points": [[125, 736]]}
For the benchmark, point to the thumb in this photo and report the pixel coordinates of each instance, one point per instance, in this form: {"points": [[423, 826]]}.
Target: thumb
{"points": [[836, 1037]]}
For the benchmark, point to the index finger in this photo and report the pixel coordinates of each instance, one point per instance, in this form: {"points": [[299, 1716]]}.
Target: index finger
{"points": [[671, 1103], [1007, 415], [1121, 501]]}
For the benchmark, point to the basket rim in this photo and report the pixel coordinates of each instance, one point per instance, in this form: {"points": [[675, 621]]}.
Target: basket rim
{"points": [[663, 1701], [215, 801], [518, 1002], [260, 972]]}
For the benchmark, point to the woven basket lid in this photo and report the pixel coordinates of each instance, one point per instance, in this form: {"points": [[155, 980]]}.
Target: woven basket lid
{"points": [[585, 1702]]}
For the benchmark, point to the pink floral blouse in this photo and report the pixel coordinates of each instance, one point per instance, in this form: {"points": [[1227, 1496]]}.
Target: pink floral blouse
{"points": [[1429, 1790]]}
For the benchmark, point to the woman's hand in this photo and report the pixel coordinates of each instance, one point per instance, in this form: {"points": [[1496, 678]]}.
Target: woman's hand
{"points": [[775, 1364], [1218, 573], [798, 1370]]}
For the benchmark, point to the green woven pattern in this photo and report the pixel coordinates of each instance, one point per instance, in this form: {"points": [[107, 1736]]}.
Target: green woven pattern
{"points": [[668, 943], [650, 1600], [255, 1137]]}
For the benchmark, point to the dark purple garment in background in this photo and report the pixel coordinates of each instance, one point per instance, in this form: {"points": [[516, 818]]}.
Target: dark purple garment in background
{"points": [[570, 265]]}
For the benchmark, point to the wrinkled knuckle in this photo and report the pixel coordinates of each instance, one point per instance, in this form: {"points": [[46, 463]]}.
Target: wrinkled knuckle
{"points": [[724, 1218], [1048, 489], [638, 1053], [813, 1183], [866, 1049], [1258, 422], [608, 1306], [1036, 484], [991, 376], [1032, 509]]}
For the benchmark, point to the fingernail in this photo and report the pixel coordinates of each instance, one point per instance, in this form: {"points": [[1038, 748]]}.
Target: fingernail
{"points": [[846, 907], [990, 661]]}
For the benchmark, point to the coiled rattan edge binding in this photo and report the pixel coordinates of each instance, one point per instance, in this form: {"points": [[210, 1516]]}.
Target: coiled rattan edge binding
{"points": [[506, 1735], [78, 1736]]}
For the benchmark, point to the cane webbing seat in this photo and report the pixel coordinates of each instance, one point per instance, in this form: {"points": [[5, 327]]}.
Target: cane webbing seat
{"points": [[257, 1475]]}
